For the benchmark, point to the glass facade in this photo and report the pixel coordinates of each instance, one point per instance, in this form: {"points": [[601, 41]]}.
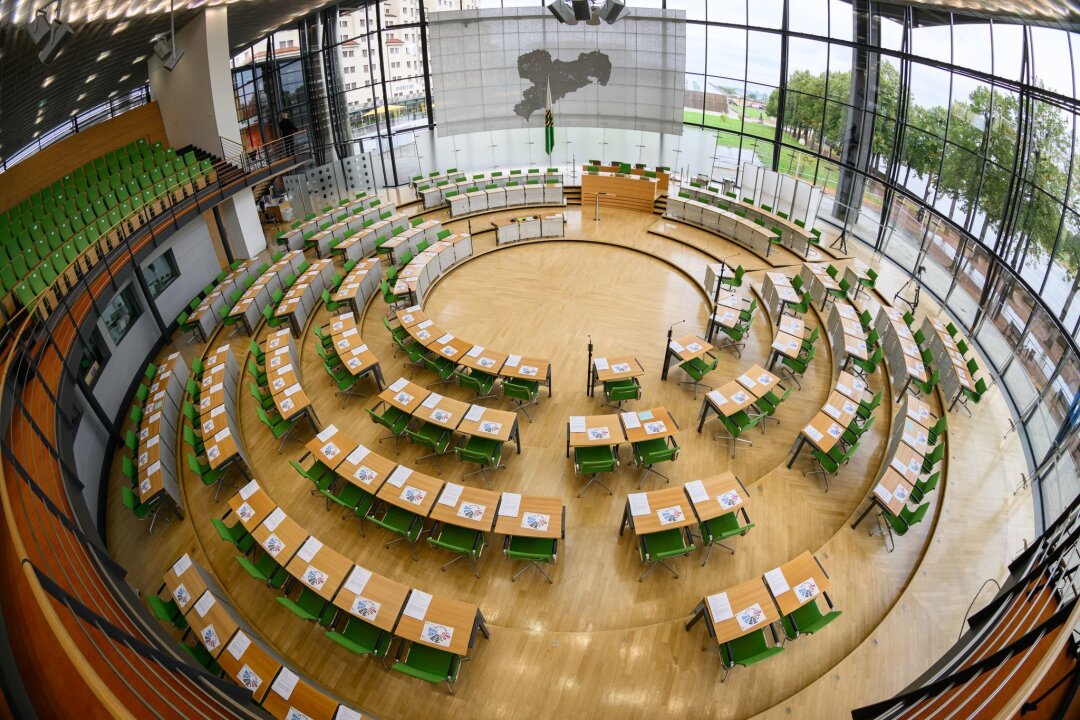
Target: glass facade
{"points": [[965, 131]]}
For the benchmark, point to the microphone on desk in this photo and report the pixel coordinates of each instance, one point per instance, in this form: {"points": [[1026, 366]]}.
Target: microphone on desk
{"points": [[720, 280], [589, 370]]}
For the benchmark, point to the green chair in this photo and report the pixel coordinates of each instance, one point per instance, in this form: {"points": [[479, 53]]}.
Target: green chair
{"points": [[235, 535], [209, 477], [972, 396], [865, 368], [829, 462], [922, 487], [485, 452], [433, 437], [593, 461], [697, 369], [203, 658], [330, 304], [616, 392], [393, 420], [735, 279], [481, 383], [344, 380], [280, 428], [533, 552], [932, 458], [142, 510], [808, 619], [362, 638], [937, 430], [259, 375], [427, 663], [265, 400], [867, 283], [398, 334], [265, 569], [737, 425], [355, 500], [839, 293], [659, 547], [443, 367], [768, 403], [925, 388], [310, 606], [648, 453], [463, 543], [802, 307], [319, 475], [747, 650], [523, 392], [734, 336], [898, 524], [167, 611], [722, 527], [398, 521]]}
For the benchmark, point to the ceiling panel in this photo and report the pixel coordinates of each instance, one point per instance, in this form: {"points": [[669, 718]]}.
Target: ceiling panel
{"points": [[106, 55]]}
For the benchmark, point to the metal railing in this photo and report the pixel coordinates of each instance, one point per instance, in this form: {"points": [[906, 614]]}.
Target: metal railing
{"points": [[266, 155]]}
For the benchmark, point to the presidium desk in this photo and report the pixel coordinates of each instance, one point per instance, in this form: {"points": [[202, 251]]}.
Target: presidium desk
{"points": [[627, 192]]}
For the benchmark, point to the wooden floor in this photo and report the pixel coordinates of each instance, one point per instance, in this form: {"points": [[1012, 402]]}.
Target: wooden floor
{"points": [[597, 642]]}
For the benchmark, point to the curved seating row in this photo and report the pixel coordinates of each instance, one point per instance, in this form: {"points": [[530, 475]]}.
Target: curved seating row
{"points": [[352, 359], [205, 316], [595, 440], [358, 210], [792, 233], [429, 189], [281, 400], [742, 404], [907, 475], [960, 381], [249, 309], [529, 227], [229, 647], [361, 281], [301, 298], [216, 437], [410, 284], [720, 219], [908, 363], [473, 366]]}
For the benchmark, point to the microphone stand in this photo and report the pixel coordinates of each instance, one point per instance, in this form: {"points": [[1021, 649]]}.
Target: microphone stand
{"points": [[667, 349], [720, 280], [589, 371]]}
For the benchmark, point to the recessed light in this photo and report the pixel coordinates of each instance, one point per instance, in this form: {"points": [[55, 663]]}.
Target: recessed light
{"points": [[138, 60], [104, 55], [74, 112], [82, 96], [48, 81], [124, 77], [120, 27], [90, 78]]}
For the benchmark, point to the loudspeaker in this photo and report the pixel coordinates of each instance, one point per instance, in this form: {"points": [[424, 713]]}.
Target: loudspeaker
{"points": [[164, 50], [561, 11], [49, 36], [612, 10], [582, 11]]}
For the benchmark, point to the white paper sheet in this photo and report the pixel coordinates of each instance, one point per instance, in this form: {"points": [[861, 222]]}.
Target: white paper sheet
{"points": [[720, 607], [239, 644], [285, 683], [513, 361], [399, 384], [577, 423], [639, 504], [417, 606], [399, 476], [475, 413], [451, 494], [777, 582], [309, 548], [327, 433], [431, 400], [510, 505], [630, 420], [601, 363], [358, 580], [696, 490], [274, 519]]}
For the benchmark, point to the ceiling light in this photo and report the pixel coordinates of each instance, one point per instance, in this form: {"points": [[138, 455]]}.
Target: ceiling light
{"points": [[165, 45], [571, 12], [104, 55], [82, 96], [138, 60], [120, 27], [90, 78], [48, 81]]}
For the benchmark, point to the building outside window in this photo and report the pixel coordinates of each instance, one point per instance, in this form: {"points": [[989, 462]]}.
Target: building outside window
{"points": [[121, 314]]}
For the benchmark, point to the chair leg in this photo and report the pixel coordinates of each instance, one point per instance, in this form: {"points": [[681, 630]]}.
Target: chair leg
{"points": [[592, 480], [531, 564], [733, 440], [649, 470], [522, 405], [654, 565], [890, 542], [695, 385], [791, 376]]}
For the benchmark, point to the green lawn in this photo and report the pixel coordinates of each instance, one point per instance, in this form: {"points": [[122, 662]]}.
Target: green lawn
{"points": [[729, 137]]}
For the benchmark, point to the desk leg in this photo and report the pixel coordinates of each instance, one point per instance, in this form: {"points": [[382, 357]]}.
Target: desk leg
{"points": [[379, 382], [625, 519], [517, 435], [667, 360], [702, 414], [549, 380], [482, 625], [699, 613], [798, 448], [568, 440], [869, 506]]}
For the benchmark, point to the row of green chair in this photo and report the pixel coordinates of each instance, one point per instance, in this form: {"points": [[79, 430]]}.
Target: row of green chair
{"points": [[279, 427]]}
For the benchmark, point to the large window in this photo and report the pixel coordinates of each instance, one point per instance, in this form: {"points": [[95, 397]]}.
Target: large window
{"points": [[121, 314]]}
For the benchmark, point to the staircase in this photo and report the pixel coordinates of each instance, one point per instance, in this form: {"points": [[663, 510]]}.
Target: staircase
{"points": [[660, 206], [572, 193]]}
